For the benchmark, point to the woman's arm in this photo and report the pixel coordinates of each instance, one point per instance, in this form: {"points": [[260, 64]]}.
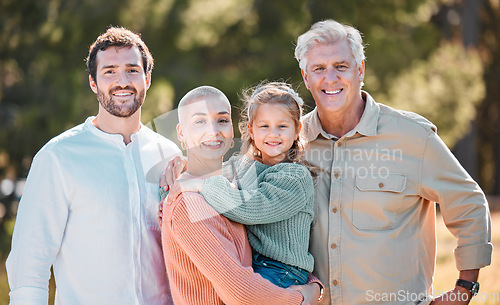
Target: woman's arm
{"points": [[210, 245]]}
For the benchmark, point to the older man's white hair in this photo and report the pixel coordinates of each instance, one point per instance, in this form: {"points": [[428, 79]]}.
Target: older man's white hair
{"points": [[325, 33]]}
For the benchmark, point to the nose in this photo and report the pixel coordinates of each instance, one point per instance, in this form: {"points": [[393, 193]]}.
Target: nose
{"points": [[274, 132], [123, 79], [213, 127], [331, 75]]}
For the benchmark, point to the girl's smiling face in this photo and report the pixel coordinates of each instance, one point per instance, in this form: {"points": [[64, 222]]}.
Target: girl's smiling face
{"points": [[273, 132]]}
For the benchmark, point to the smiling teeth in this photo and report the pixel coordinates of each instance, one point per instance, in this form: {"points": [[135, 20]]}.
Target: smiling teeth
{"points": [[213, 143], [123, 94], [333, 92]]}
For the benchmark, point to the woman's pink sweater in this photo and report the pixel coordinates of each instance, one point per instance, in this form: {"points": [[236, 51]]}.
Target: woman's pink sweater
{"points": [[209, 259]]}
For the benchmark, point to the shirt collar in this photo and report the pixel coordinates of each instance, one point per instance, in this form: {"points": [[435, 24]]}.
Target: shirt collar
{"points": [[367, 126], [118, 138], [311, 127]]}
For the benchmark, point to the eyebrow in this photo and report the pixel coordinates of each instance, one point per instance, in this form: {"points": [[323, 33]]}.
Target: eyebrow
{"points": [[342, 61], [116, 66], [203, 113]]}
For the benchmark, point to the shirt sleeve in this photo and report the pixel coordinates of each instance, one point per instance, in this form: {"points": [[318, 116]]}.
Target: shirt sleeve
{"points": [[209, 245], [40, 223], [280, 194], [462, 203]]}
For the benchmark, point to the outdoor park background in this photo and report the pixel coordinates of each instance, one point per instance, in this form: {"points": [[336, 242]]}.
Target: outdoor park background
{"points": [[440, 58]]}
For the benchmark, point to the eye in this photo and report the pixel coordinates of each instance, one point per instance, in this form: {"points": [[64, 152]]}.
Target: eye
{"points": [[283, 126], [200, 121], [318, 69], [224, 121], [134, 71], [342, 67], [109, 72], [263, 126]]}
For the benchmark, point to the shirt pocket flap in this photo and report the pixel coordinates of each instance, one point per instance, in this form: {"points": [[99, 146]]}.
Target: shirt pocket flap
{"points": [[395, 183]]}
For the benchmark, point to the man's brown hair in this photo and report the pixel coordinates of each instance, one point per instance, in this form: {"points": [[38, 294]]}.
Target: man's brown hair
{"points": [[118, 37]]}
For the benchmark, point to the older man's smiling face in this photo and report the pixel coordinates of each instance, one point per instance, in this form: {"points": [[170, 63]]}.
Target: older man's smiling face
{"points": [[333, 77]]}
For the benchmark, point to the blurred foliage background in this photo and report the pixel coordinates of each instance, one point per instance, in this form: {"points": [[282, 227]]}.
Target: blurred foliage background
{"points": [[439, 58]]}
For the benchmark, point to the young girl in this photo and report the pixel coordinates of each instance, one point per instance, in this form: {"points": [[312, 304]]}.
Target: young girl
{"points": [[275, 192]]}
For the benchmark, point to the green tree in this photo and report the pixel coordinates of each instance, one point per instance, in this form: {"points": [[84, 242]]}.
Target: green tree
{"points": [[445, 89], [230, 44]]}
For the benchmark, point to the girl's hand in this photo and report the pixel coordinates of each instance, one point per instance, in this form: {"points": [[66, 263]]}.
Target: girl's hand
{"points": [[184, 185], [175, 167]]}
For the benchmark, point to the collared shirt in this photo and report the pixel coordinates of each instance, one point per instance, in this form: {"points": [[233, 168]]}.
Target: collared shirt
{"points": [[90, 209], [373, 237]]}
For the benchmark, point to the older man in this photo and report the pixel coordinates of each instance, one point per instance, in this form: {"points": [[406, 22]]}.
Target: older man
{"points": [[373, 238]]}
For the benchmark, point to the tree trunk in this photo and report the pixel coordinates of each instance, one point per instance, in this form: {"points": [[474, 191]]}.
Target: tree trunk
{"points": [[471, 22], [488, 114]]}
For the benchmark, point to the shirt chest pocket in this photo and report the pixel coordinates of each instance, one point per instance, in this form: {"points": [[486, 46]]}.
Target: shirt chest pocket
{"points": [[377, 201]]}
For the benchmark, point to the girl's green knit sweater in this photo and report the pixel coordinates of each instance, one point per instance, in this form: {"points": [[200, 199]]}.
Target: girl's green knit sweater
{"points": [[274, 202]]}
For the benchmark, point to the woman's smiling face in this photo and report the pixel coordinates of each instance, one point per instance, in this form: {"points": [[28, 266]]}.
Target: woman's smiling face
{"points": [[206, 127]]}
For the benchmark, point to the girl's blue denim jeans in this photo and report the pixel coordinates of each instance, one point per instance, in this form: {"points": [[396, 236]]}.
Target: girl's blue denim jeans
{"points": [[278, 273]]}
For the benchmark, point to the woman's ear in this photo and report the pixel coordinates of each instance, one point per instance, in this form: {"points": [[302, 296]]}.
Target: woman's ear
{"points": [[180, 132]]}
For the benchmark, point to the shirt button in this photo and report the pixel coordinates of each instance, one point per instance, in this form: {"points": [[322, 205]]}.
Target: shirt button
{"points": [[334, 210], [336, 175], [380, 185], [334, 245], [339, 144], [335, 283]]}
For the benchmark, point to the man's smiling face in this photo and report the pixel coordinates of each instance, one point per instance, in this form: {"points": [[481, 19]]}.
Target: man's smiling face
{"points": [[121, 82], [333, 77]]}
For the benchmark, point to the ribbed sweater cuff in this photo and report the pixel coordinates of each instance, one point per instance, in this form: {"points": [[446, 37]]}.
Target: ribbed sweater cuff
{"points": [[313, 279]]}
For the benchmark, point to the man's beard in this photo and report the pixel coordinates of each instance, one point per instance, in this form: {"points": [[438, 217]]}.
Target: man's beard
{"points": [[118, 109]]}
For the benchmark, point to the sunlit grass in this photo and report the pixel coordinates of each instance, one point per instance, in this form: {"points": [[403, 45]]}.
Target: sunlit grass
{"points": [[446, 273]]}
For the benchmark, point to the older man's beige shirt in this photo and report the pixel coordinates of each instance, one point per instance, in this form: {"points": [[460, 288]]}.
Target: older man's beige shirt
{"points": [[373, 238]]}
